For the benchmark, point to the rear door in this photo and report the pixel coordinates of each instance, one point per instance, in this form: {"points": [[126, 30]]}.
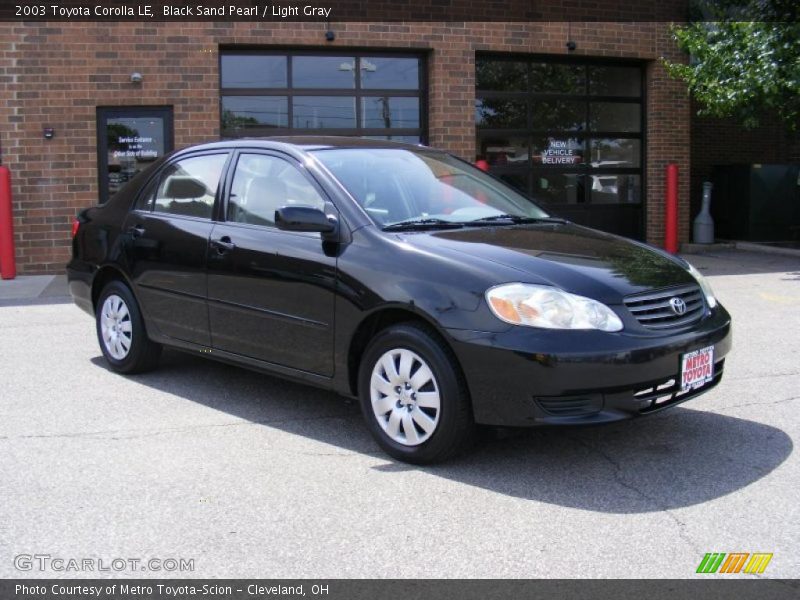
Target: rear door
{"points": [[270, 292], [167, 240]]}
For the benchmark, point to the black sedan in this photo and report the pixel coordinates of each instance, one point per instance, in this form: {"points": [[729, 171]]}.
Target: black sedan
{"points": [[400, 275]]}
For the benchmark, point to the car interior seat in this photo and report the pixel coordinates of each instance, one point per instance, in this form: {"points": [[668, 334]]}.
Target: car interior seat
{"points": [[264, 196]]}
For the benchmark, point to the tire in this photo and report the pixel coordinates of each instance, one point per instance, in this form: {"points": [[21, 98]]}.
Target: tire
{"points": [[121, 332], [416, 416]]}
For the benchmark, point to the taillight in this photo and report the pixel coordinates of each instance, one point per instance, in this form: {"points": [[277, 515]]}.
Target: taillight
{"points": [[75, 226]]}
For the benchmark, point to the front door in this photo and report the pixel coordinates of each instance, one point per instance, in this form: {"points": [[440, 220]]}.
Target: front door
{"points": [[270, 292]]}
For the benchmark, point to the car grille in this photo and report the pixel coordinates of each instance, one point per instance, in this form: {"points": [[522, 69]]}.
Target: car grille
{"points": [[653, 309]]}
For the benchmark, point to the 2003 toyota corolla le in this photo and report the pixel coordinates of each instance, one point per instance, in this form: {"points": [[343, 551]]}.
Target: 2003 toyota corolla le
{"points": [[430, 290]]}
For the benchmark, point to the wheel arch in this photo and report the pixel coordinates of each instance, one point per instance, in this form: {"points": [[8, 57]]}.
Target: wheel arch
{"points": [[379, 320], [103, 276]]}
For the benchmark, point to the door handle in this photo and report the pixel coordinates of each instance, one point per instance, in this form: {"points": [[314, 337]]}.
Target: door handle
{"points": [[136, 231], [223, 244]]}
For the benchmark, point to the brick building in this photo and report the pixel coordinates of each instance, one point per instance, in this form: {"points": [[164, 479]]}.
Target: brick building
{"points": [[588, 130]]}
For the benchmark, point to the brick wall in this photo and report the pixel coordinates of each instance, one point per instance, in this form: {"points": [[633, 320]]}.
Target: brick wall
{"points": [[56, 74]]}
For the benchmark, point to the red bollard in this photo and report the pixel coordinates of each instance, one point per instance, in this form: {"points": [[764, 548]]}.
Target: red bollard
{"points": [[671, 210], [8, 267]]}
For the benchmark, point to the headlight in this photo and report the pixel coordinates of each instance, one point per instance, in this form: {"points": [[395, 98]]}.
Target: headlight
{"points": [[549, 307], [704, 285]]}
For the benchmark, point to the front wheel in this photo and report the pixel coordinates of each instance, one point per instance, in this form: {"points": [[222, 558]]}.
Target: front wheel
{"points": [[413, 396], [121, 331]]}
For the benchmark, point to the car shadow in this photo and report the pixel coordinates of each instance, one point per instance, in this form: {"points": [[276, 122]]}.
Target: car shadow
{"points": [[678, 458]]}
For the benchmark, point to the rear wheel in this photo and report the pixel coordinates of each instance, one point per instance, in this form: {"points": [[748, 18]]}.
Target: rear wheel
{"points": [[413, 396], [121, 331]]}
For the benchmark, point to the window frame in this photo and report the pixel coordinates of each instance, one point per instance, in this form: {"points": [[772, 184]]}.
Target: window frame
{"points": [[357, 92]]}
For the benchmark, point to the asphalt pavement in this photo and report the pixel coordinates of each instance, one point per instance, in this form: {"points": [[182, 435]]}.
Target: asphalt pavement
{"points": [[247, 475]]}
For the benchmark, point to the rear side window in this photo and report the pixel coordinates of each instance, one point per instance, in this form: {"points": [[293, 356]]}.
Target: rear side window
{"points": [[189, 186], [263, 184]]}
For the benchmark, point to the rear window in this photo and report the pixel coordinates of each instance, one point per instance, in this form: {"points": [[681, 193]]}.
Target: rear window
{"points": [[189, 186]]}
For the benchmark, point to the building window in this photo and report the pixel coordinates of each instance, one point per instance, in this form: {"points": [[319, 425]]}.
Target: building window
{"points": [[568, 133], [375, 95]]}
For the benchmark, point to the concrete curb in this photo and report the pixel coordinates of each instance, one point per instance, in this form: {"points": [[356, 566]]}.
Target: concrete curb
{"points": [[766, 249], [691, 248], [34, 289]]}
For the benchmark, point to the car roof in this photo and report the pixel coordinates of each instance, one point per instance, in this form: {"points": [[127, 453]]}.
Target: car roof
{"points": [[307, 143]]}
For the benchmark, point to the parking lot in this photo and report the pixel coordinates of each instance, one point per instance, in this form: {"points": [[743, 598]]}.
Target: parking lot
{"points": [[251, 476]]}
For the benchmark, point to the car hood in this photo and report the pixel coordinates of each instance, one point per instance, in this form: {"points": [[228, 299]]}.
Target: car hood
{"points": [[574, 258]]}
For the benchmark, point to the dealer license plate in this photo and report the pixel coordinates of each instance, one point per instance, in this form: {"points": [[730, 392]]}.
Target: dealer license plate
{"points": [[697, 368]]}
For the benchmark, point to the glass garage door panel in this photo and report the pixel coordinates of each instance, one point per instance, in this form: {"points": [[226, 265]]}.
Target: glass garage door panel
{"points": [[615, 116], [570, 130], [616, 189], [501, 113], [389, 73], [557, 78], [320, 72], [505, 150], [607, 80], [616, 153], [324, 112], [253, 71], [559, 188], [501, 75], [390, 112], [245, 112], [365, 94]]}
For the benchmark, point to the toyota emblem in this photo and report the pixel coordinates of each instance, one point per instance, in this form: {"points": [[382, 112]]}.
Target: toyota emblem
{"points": [[678, 305]]}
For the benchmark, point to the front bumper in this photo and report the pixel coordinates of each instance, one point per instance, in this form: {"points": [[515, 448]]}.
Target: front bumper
{"points": [[526, 376]]}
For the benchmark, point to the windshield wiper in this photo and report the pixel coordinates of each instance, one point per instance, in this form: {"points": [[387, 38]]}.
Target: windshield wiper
{"points": [[422, 223], [517, 219]]}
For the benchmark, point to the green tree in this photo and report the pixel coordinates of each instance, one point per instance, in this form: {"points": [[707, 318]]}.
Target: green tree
{"points": [[745, 59]]}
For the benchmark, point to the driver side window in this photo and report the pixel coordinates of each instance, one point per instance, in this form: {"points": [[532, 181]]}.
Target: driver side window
{"points": [[262, 184]]}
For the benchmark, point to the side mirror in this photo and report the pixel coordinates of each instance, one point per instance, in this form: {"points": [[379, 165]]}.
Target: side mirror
{"points": [[304, 218]]}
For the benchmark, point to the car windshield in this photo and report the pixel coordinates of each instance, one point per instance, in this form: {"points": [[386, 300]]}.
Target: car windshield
{"points": [[402, 186]]}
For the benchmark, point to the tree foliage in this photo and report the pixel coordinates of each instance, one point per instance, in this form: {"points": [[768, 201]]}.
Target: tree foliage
{"points": [[745, 59]]}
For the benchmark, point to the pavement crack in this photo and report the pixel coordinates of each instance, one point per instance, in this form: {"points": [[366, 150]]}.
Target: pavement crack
{"points": [[620, 480], [764, 376], [47, 436], [781, 401], [116, 434]]}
